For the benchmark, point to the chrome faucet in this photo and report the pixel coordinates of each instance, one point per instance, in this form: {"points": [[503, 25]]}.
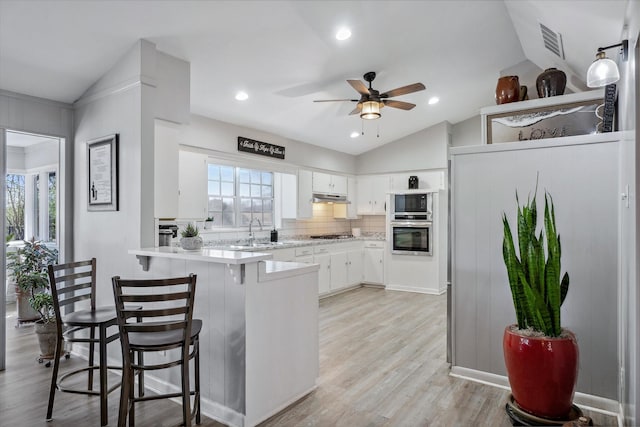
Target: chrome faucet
{"points": [[251, 236]]}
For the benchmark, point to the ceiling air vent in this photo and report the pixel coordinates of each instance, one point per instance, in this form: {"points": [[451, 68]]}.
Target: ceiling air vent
{"points": [[552, 40]]}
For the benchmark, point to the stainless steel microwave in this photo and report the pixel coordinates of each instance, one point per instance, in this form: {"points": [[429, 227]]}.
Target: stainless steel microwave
{"points": [[412, 206]]}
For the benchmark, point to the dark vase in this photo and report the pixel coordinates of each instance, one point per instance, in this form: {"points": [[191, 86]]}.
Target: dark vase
{"points": [[507, 90], [551, 82]]}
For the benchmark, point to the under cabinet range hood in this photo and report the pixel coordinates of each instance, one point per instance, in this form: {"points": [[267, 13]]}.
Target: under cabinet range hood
{"points": [[329, 198]]}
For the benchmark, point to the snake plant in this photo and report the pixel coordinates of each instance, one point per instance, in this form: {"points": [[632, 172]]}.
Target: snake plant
{"points": [[534, 275]]}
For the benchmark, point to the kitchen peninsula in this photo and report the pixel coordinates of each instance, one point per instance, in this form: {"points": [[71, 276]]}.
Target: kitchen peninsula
{"points": [[259, 342]]}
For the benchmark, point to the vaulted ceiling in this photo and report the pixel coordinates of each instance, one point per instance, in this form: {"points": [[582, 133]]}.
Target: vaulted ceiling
{"points": [[284, 54]]}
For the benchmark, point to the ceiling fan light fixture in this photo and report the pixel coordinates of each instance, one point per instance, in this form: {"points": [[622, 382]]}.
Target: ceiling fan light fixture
{"points": [[370, 110]]}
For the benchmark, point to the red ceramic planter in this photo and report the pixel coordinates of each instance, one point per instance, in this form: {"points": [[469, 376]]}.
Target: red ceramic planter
{"points": [[542, 372]]}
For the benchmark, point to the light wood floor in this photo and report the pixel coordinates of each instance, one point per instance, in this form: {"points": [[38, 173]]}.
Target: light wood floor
{"points": [[382, 363]]}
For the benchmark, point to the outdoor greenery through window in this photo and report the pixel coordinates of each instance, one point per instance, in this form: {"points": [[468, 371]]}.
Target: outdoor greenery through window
{"points": [[237, 195], [15, 206]]}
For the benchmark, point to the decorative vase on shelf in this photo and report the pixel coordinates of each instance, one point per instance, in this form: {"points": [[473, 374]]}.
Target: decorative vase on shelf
{"points": [[507, 90], [551, 82]]}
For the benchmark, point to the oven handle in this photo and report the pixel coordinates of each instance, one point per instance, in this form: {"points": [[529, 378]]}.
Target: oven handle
{"points": [[412, 224]]}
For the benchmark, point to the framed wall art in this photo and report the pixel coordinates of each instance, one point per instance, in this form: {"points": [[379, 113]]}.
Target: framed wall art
{"points": [[102, 185]]}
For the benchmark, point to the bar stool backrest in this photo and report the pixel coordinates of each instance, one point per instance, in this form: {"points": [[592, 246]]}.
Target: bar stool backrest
{"points": [[167, 305], [71, 283]]}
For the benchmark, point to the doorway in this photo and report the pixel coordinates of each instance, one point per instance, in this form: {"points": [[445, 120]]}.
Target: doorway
{"points": [[30, 175]]}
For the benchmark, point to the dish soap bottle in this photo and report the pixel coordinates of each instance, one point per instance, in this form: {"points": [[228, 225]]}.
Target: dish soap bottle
{"points": [[274, 235]]}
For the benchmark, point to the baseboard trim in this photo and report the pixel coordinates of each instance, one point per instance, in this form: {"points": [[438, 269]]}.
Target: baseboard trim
{"points": [[260, 419], [587, 401], [428, 291]]}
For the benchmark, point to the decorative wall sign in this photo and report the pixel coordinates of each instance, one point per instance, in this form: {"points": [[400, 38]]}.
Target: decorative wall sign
{"points": [[263, 148], [102, 184]]}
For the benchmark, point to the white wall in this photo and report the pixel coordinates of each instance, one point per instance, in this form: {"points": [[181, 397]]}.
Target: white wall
{"points": [[467, 132], [40, 116], [219, 136], [426, 149]]}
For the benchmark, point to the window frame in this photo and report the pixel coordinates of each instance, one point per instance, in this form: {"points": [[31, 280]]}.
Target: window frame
{"points": [[238, 213]]}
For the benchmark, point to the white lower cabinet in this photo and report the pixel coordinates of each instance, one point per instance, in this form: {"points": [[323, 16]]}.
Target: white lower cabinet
{"points": [[341, 264], [324, 274], [346, 269], [373, 260]]}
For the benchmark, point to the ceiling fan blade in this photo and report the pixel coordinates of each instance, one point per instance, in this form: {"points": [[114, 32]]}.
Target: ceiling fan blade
{"points": [[359, 86], [335, 100], [403, 90], [356, 110], [398, 104]]}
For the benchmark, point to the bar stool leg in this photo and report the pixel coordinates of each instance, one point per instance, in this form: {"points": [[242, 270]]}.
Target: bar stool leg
{"points": [[186, 392], [54, 377], [92, 339], [104, 418], [197, 379]]}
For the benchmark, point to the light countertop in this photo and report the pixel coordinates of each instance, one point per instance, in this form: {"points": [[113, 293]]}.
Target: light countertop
{"points": [[205, 254]]}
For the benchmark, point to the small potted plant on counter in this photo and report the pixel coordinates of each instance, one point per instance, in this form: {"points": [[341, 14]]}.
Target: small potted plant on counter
{"points": [[190, 240], [541, 357]]}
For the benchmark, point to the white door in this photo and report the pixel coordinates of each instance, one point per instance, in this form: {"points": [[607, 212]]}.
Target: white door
{"points": [[373, 265], [324, 274], [339, 274], [354, 273]]}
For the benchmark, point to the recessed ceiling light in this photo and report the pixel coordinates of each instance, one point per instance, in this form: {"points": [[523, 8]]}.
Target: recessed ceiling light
{"points": [[242, 96], [343, 34], [434, 100], [355, 134]]}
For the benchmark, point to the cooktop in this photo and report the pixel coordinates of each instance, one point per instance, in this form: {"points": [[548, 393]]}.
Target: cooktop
{"points": [[332, 236]]}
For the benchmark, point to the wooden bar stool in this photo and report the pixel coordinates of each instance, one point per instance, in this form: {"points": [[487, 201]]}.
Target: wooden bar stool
{"points": [[71, 283], [164, 323]]}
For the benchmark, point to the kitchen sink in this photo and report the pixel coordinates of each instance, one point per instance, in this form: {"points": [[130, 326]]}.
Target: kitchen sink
{"points": [[256, 245]]}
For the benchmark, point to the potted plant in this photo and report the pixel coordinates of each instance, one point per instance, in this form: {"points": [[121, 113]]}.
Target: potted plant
{"points": [[541, 357], [46, 328], [28, 267], [190, 239]]}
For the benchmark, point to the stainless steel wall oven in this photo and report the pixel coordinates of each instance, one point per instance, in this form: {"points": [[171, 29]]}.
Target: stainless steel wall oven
{"points": [[411, 237]]}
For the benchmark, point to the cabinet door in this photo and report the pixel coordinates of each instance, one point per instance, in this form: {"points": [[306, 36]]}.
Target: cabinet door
{"points": [[352, 196], [287, 254], [354, 273], [379, 189], [305, 207], [324, 274], [339, 184], [374, 265], [192, 181], [363, 196], [339, 264], [321, 183], [166, 170]]}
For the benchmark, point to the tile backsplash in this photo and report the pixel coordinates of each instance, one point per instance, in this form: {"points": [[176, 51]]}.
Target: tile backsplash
{"points": [[322, 222]]}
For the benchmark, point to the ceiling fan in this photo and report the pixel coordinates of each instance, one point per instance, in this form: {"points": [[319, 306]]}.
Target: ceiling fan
{"points": [[371, 100]]}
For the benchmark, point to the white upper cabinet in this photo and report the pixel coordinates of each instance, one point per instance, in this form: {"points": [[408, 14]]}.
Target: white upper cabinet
{"points": [[192, 179], [348, 210], [166, 169], [304, 191], [372, 194], [329, 184]]}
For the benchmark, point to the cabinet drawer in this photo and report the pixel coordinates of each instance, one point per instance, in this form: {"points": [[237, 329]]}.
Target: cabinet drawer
{"points": [[374, 244], [305, 251], [321, 250]]}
